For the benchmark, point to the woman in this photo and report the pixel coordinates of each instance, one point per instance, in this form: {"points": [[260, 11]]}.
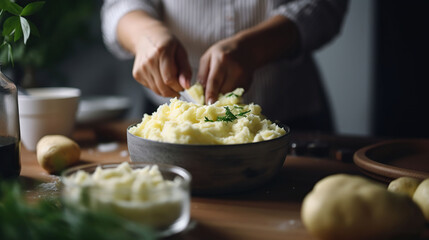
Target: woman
{"points": [[264, 46]]}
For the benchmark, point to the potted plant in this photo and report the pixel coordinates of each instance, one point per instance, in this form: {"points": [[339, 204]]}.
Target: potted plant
{"points": [[61, 25], [15, 26]]}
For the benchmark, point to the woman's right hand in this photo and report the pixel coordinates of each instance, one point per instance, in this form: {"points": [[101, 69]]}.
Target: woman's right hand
{"points": [[161, 62]]}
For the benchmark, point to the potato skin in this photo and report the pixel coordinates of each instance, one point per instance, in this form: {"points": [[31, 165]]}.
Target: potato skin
{"points": [[405, 185], [421, 197], [56, 152], [351, 207]]}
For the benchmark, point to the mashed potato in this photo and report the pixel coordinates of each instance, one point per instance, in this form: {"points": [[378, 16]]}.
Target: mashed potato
{"points": [[227, 121], [140, 195]]}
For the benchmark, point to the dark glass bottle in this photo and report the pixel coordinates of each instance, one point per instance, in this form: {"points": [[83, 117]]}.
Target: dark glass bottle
{"points": [[10, 140]]}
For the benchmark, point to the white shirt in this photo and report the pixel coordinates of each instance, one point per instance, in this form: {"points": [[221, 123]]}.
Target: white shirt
{"points": [[285, 89]]}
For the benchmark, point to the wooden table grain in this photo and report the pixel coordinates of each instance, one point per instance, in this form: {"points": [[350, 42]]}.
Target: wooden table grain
{"points": [[271, 211]]}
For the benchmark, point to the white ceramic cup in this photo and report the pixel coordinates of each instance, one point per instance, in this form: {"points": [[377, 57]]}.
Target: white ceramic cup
{"points": [[47, 111]]}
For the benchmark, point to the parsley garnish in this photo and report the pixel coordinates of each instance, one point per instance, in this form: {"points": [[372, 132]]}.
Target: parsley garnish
{"points": [[206, 119], [229, 116], [232, 95], [243, 113]]}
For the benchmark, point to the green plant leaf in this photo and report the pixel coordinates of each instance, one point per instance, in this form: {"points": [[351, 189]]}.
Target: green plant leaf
{"points": [[3, 3], [25, 28], [3, 54], [10, 25], [16, 26], [51, 219], [9, 53], [33, 29], [11, 7], [18, 33], [32, 8]]}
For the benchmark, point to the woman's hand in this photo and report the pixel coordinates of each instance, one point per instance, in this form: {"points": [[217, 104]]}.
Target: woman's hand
{"points": [[230, 63], [224, 67], [161, 62]]}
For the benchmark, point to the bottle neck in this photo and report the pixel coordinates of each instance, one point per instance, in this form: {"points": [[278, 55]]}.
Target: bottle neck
{"points": [[6, 84]]}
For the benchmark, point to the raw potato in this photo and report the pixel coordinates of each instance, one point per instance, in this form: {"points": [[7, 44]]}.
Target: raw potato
{"points": [[405, 185], [350, 207], [56, 152], [421, 197]]}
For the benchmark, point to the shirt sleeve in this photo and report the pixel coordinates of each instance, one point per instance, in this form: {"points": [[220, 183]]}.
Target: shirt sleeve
{"points": [[318, 21], [113, 10]]}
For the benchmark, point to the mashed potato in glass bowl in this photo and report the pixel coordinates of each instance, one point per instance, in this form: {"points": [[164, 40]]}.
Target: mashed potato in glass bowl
{"points": [[155, 196], [227, 121]]}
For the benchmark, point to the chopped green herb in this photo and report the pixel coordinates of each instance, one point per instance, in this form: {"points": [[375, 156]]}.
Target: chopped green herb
{"points": [[232, 95], [238, 107], [207, 120], [243, 113], [229, 116], [229, 113], [223, 119]]}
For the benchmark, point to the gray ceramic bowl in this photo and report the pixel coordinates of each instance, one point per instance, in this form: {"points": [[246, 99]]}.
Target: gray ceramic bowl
{"points": [[216, 169]]}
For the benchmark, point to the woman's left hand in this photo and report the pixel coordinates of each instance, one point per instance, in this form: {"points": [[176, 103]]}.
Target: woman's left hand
{"points": [[230, 63], [224, 67]]}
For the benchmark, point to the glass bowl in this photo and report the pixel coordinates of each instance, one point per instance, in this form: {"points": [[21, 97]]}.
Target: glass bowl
{"points": [[162, 204]]}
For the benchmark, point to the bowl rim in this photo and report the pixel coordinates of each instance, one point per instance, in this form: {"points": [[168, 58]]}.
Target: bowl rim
{"points": [[183, 173], [70, 92], [285, 127]]}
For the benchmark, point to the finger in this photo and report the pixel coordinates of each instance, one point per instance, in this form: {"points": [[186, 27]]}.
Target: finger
{"points": [[214, 82], [152, 84], [150, 80], [144, 78], [184, 81], [233, 79], [163, 89], [154, 78], [228, 84], [169, 71], [203, 70], [185, 71]]}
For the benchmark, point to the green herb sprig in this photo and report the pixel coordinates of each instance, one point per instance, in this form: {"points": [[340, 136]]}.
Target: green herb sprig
{"points": [[243, 114], [232, 95], [50, 219], [229, 116], [16, 24], [206, 119]]}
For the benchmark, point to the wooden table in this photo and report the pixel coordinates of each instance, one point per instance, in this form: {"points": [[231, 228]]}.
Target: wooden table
{"points": [[268, 212]]}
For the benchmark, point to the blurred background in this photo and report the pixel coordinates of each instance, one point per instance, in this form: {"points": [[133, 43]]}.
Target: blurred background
{"points": [[374, 71]]}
